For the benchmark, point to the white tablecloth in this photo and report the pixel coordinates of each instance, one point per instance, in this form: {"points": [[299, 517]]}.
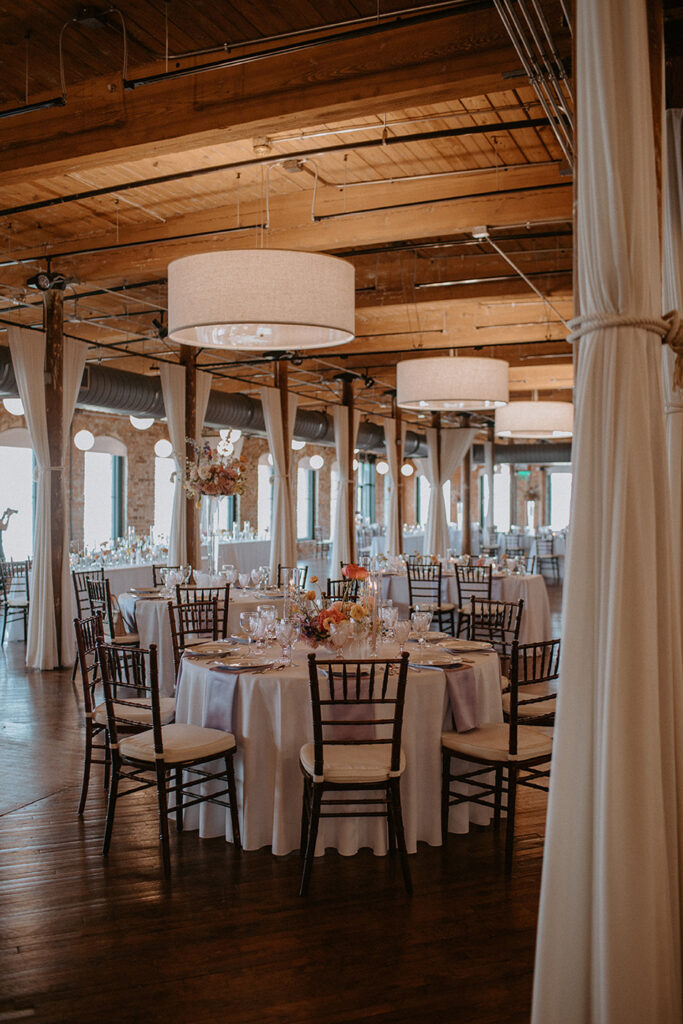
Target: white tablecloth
{"points": [[149, 617], [413, 544], [245, 555], [123, 577], [271, 719], [535, 617]]}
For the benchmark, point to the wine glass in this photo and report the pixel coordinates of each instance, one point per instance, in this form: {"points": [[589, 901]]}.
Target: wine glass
{"points": [[186, 572], [245, 624], [388, 614], [401, 633], [257, 628], [421, 622], [286, 633], [243, 578], [340, 634]]}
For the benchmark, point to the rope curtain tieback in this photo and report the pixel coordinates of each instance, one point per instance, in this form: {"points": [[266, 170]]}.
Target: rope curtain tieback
{"points": [[669, 328], [45, 469]]}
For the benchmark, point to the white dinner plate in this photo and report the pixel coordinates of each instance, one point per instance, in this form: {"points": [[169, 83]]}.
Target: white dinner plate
{"points": [[145, 591], [465, 646], [239, 662], [210, 648], [434, 659], [434, 637]]}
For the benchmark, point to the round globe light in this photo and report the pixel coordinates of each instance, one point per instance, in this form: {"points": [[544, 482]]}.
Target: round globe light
{"points": [[407, 469], [382, 467], [298, 445], [225, 434], [316, 462], [14, 406], [355, 464], [163, 448], [84, 440], [141, 422]]}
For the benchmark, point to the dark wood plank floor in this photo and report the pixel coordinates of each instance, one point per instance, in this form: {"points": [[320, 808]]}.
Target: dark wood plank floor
{"points": [[82, 940]]}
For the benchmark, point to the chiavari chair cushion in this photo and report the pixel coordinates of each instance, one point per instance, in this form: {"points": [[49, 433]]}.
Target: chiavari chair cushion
{"points": [[491, 743], [181, 743], [360, 762], [537, 709], [431, 606], [144, 715]]}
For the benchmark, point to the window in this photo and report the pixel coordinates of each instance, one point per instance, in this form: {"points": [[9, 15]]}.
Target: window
{"points": [[422, 492], [104, 491], [163, 495], [560, 480], [305, 500], [264, 499], [365, 491], [16, 465], [334, 488], [501, 497]]}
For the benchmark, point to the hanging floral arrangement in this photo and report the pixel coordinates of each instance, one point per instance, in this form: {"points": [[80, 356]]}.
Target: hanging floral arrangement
{"points": [[212, 473]]}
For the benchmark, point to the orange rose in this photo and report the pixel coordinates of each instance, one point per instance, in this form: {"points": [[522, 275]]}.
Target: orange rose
{"points": [[314, 579], [354, 572], [310, 595]]}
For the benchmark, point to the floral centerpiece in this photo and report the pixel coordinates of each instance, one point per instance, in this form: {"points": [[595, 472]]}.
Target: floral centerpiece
{"points": [[315, 613], [212, 472]]}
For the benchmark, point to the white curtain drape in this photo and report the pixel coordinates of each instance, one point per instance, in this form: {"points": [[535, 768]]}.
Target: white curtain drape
{"points": [[341, 542], [488, 469], [608, 944], [393, 545], [173, 391], [672, 298], [203, 390], [27, 349], [441, 463], [283, 528]]}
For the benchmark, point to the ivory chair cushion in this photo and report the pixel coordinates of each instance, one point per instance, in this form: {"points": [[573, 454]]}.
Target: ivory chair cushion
{"points": [[539, 709], [491, 743], [122, 638], [365, 762], [181, 743], [144, 715], [431, 606]]}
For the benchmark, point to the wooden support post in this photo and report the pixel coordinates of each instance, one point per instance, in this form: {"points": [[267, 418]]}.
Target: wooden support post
{"points": [[281, 375], [400, 483], [54, 391], [347, 400], [188, 358]]}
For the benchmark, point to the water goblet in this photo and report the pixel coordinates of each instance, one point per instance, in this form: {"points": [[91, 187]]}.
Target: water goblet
{"points": [[245, 624], [401, 633], [257, 626], [243, 578], [421, 622], [286, 632]]}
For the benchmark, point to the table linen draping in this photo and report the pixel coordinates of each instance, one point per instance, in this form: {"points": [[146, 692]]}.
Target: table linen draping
{"points": [[173, 391], [672, 298], [271, 719], [608, 942], [283, 519], [28, 360]]}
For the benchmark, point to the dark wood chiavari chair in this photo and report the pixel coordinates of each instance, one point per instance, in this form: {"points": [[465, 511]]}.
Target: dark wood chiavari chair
{"points": [[538, 670], [346, 590], [498, 622], [157, 571], [79, 578], [425, 592], [546, 557], [518, 754], [157, 757], [101, 600], [190, 624], [514, 548], [365, 755], [221, 594], [15, 594], [472, 581], [300, 570]]}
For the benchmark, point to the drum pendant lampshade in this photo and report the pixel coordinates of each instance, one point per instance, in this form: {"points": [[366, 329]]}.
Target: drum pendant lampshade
{"points": [[540, 420], [449, 383], [260, 299]]}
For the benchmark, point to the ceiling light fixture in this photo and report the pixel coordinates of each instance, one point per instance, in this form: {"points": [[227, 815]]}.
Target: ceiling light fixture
{"points": [[451, 383], [163, 449], [14, 406], [407, 469], [84, 440], [316, 462], [382, 467], [141, 422], [261, 299], [535, 420]]}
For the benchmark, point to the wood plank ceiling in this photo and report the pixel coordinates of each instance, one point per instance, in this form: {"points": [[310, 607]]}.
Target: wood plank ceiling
{"points": [[366, 141]]}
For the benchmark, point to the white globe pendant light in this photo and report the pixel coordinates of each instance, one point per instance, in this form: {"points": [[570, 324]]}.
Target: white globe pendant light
{"points": [[451, 384], [535, 420], [260, 299]]}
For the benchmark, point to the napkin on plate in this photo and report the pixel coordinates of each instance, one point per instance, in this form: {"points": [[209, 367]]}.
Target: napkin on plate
{"points": [[462, 695]]}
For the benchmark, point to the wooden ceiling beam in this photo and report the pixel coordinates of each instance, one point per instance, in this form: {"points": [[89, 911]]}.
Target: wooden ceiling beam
{"points": [[456, 56]]}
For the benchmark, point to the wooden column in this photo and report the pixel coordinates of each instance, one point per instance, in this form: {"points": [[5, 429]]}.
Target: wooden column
{"points": [[188, 359], [281, 376], [347, 400], [54, 391], [400, 482]]}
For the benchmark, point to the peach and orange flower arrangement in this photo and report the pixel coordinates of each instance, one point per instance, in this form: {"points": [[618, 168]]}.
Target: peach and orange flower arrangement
{"points": [[316, 614]]}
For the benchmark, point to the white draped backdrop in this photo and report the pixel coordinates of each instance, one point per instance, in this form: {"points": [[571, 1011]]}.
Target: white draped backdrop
{"points": [[443, 458], [341, 543], [283, 524], [393, 524], [28, 360], [173, 391], [608, 946]]}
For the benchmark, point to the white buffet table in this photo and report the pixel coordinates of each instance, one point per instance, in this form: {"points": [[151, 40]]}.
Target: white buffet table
{"points": [[149, 617], [270, 716], [536, 625]]}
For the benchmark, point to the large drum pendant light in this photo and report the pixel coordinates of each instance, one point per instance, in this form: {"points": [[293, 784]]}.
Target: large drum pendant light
{"points": [[451, 384], [260, 299], [535, 420]]}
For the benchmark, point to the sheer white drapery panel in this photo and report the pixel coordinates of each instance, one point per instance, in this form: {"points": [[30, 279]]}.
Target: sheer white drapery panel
{"points": [[672, 298], [283, 525], [488, 515], [443, 458], [203, 390], [341, 538], [392, 514], [173, 391], [608, 945], [74, 362]]}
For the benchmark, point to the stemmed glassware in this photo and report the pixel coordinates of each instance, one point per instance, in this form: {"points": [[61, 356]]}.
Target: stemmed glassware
{"points": [[286, 631], [401, 633], [243, 578], [421, 622]]}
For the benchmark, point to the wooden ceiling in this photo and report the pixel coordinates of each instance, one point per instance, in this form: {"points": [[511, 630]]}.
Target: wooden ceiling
{"points": [[387, 141]]}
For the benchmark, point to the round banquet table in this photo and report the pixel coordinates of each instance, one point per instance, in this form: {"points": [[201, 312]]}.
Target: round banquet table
{"points": [[270, 716], [148, 616], [536, 624]]}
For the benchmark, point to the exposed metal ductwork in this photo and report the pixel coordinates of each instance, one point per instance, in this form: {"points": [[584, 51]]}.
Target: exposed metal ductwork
{"points": [[105, 389]]}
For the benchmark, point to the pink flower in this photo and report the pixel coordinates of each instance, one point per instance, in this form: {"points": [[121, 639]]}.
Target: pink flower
{"points": [[354, 572]]}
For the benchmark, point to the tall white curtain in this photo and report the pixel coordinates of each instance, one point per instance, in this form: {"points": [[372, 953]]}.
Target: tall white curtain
{"points": [[488, 469], [672, 298], [441, 463], [28, 360], [203, 390], [283, 529], [608, 945], [341, 537], [173, 391], [393, 525]]}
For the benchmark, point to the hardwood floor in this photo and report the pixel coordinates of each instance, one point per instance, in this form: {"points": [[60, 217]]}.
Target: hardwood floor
{"points": [[84, 940]]}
